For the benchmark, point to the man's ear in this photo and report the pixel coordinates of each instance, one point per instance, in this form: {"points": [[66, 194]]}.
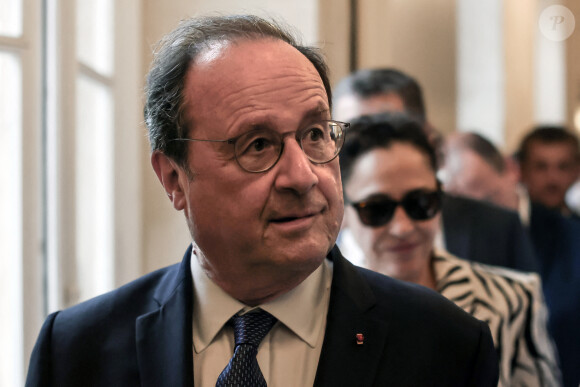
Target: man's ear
{"points": [[172, 178]]}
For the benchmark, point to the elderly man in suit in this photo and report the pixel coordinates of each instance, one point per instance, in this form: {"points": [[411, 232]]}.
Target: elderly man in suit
{"points": [[471, 229], [243, 143]]}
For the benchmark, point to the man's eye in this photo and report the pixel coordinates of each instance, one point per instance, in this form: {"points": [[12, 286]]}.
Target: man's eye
{"points": [[315, 134], [259, 144]]}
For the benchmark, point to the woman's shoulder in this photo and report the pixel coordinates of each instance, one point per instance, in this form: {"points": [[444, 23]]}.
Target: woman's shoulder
{"points": [[512, 304], [487, 289], [449, 268]]}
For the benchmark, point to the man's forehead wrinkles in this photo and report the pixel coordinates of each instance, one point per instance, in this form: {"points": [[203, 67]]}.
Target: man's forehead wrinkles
{"points": [[249, 114], [241, 113], [265, 85], [254, 97]]}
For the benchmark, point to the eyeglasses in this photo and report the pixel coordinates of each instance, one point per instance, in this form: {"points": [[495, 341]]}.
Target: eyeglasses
{"points": [[260, 149], [379, 209]]}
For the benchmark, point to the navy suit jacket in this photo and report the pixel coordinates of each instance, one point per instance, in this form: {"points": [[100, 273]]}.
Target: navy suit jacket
{"points": [[141, 335], [557, 240], [485, 233]]}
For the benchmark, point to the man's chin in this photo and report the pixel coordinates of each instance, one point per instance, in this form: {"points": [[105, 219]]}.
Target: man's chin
{"points": [[300, 256], [315, 254], [553, 204]]}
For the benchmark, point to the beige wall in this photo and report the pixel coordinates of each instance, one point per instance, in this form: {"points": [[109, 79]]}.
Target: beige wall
{"points": [[573, 69], [333, 36], [520, 33], [165, 235], [420, 38], [417, 37]]}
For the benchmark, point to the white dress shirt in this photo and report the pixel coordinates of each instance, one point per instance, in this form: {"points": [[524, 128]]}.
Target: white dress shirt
{"points": [[524, 205], [288, 355]]}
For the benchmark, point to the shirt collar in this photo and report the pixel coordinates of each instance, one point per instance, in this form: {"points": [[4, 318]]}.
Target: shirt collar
{"points": [[212, 306], [523, 205], [302, 309]]}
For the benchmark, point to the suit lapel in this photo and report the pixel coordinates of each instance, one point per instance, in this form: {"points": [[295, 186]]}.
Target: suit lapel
{"points": [[343, 361], [164, 336]]}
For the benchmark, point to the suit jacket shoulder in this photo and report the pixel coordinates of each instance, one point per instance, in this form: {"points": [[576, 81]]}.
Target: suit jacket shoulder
{"points": [[412, 335], [107, 340], [141, 334], [486, 233]]}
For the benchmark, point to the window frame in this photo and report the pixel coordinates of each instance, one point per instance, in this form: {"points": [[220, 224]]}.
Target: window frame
{"points": [[27, 47], [49, 68], [126, 85]]}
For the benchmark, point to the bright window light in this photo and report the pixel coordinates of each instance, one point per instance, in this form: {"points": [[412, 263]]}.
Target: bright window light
{"points": [[95, 34], [94, 188], [11, 18], [11, 324]]}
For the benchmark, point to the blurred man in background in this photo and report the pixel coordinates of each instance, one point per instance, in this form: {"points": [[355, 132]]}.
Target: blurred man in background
{"points": [[549, 158], [474, 167]]}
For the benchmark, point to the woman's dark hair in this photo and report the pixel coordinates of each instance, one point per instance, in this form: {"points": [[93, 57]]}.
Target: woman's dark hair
{"points": [[381, 131]]}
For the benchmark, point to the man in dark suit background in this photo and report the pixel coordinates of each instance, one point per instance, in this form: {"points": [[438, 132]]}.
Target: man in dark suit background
{"points": [[556, 241], [472, 229], [239, 122], [549, 160]]}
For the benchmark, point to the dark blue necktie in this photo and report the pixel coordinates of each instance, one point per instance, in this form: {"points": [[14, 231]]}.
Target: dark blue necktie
{"points": [[243, 369]]}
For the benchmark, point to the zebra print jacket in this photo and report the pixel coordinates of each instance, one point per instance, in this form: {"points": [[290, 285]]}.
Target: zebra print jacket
{"points": [[511, 302]]}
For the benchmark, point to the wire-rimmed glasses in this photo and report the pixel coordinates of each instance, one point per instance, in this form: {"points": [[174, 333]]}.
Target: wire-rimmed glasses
{"points": [[259, 150]]}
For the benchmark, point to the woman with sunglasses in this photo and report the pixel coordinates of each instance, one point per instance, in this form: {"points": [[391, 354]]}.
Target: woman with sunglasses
{"points": [[393, 203]]}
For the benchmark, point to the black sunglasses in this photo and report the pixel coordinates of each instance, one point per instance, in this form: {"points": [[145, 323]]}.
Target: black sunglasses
{"points": [[378, 210]]}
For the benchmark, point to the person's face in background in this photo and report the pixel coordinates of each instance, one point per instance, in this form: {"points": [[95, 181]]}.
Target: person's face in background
{"points": [[549, 170], [271, 229], [401, 248], [350, 106], [468, 174]]}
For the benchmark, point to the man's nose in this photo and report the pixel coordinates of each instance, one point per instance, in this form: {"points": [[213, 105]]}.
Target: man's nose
{"points": [[294, 170], [401, 224]]}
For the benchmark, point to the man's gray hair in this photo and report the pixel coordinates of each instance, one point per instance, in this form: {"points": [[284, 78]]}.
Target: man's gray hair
{"points": [[165, 81]]}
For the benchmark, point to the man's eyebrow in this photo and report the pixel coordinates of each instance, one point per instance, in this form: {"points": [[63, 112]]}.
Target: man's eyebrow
{"points": [[317, 112]]}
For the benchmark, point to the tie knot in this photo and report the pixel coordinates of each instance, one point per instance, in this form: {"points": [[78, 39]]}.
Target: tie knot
{"points": [[251, 328]]}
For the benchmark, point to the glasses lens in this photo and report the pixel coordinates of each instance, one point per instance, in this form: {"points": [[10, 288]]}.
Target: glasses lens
{"points": [[422, 205], [258, 150], [376, 211], [321, 142]]}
